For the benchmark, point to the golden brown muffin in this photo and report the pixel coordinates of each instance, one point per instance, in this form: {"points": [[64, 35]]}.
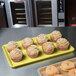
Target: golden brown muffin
{"points": [[11, 45], [27, 42], [62, 44], [16, 55], [42, 38], [55, 35], [51, 71], [59, 75], [48, 47], [67, 65], [32, 51], [72, 72]]}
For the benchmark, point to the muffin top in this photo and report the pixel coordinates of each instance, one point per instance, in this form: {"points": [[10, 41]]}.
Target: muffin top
{"points": [[27, 41], [42, 38], [12, 43], [16, 53], [56, 35], [72, 72], [62, 41], [33, 49], [48, 46]]}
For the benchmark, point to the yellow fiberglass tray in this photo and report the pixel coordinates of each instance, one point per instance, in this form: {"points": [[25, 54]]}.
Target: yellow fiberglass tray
{"points": [[27, 60]]}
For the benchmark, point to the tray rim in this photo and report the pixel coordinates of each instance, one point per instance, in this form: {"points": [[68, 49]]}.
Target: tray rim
{"points": [[7, 57], [11, 65]]}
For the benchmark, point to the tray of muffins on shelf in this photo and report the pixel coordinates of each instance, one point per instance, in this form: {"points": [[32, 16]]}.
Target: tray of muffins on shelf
{"points": [[64, 68], [34, 49]]}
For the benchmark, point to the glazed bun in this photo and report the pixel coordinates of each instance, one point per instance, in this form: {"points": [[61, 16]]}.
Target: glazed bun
{"points": [[32, 51], [48, 47], [16, 55], [72, 72], [42, 38], [62, 44], [55, 35], [51, 70], [27, 42], [59, 75], [67, 65], [11, 45]]}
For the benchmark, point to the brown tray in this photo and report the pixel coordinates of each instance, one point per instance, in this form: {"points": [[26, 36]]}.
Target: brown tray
{"points": [[41, 71]]}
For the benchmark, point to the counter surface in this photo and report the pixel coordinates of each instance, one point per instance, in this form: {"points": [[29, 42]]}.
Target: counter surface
{"points": [[7, 35]]}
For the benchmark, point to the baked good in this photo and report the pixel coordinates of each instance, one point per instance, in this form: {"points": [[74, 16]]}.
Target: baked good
{"points": [[72, 72], [59, 75], [32, 51], [42, 38], [16, 55], [55, 35], [63, 44], [51, 70], [48, 47], [11, 45], [67, 65], [27, 42]]}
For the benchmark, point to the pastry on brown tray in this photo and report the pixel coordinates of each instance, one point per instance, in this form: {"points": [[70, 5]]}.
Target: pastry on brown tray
{"points": [[63, 44], [67, 65], [72, 72], [27, 42], [11, 45], [42, 38], [16, 55], [51, 70], [55, 35], [32, 51], [48, 48]]}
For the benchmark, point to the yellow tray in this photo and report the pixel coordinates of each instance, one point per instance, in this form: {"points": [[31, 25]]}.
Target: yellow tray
{"points": [[26, 59]]}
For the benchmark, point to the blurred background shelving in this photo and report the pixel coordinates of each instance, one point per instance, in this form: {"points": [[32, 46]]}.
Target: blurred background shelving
{"points": [[29, 13], [36, 13]]}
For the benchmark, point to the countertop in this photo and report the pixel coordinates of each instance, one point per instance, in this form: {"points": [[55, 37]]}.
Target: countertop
{"points": [[9, 34]]}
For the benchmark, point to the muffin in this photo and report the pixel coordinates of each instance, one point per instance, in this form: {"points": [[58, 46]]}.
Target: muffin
{"points": [[72, 72], [11, 45], [62, 44], [42, 38], [51, 71], [32, 51], [16, 55], [48, 48], [27, 42], [67, 65], [59, 75], [55, 35]]}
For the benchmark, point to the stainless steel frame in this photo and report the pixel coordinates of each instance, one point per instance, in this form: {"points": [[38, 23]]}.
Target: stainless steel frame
{"points": [[8, 13], [54, 13], [9, 16], [29, 12]]}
